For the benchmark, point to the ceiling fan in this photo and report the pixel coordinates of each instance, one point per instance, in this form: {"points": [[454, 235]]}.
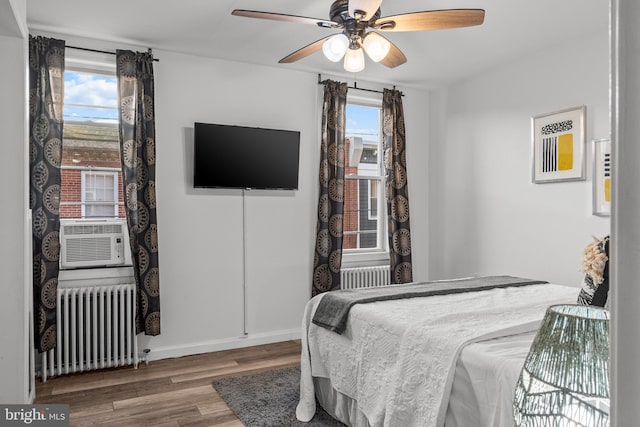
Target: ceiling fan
{"points": [[358, 19]]}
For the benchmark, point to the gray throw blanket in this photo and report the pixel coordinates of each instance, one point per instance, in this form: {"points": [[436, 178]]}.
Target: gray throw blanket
{"points": [[333, 309]]}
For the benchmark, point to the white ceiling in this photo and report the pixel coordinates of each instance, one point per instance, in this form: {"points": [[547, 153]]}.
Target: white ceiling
{"points": [[512, 29]]}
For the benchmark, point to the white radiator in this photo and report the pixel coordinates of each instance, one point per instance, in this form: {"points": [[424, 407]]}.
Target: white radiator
{"points": [[96, 330], [365, 277]]}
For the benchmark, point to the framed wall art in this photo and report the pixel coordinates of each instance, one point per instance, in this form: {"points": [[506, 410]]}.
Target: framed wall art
{"points": [[602, 177], [559, 146]]}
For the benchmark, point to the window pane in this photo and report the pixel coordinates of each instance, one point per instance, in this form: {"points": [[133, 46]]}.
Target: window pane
{"points": [[90, 97], [99, 187], [373, 199], [369, 154], [79, 113], [99, 211], [361, 225], [363, 121], [98, 197], [90, 153], [363, 139]]}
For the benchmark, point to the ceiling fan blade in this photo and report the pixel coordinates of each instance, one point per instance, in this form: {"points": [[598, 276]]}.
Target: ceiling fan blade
{"points": [[305, 51], [395, 56], [430, 20], [363, 9], [286, 18]]}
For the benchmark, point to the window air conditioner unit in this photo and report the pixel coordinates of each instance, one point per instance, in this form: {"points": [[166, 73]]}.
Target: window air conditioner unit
{"points": [[94, 243]]}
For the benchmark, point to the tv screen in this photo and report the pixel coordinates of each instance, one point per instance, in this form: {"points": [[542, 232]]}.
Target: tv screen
{"points": [[245, 157]]}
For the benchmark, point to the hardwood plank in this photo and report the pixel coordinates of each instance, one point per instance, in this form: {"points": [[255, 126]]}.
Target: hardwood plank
{"points": [[141, 373], [188, 394], [213, 407], [263, 364], [171, 392], [228, 419]]}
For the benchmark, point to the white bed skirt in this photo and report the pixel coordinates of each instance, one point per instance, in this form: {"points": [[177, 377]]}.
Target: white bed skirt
{"points": [[485, 377], [338, 405]]}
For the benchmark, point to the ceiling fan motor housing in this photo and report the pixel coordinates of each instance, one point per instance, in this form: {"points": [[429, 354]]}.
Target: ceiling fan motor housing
{"points": [[354, 29], [339, 13]]}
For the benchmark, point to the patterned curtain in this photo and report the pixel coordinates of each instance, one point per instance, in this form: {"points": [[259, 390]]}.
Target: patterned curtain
{"points": [[397, 193], [138, 157], [328, 251], [46, 95]]}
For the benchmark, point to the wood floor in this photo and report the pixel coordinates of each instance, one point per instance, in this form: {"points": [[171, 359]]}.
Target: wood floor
{"points": [[169, 392]]}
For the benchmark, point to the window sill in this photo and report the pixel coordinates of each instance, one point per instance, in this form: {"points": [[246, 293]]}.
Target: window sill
{"points": [[365, 259], [95, 276]]}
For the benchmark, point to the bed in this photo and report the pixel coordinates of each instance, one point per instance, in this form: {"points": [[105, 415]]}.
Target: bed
{"points": [[424, 357]]}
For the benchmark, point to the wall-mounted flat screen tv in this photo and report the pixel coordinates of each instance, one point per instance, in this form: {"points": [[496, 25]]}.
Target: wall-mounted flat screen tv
{"points": [[245, 157]]}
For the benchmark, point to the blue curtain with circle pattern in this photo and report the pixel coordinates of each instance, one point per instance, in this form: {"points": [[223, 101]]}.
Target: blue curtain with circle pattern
{"points": [[46, 95], [138, 156]]}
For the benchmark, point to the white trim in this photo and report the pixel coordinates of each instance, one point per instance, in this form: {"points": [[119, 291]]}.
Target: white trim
{"points": [[30, 351], [365, 258], [89, 62], [369, 99], [90, 168], [249, 340]]}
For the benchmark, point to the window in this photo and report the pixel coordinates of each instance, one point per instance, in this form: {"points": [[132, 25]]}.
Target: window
{"points": [[363, 227], [91, 173], [99, 194], [373, 199]]}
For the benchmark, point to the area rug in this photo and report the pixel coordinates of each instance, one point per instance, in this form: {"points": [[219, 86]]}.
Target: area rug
{"points": [[269, 399]]}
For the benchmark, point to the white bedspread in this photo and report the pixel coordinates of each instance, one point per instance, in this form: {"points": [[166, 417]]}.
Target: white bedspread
{"points": [[396, 358], [485, 379]]}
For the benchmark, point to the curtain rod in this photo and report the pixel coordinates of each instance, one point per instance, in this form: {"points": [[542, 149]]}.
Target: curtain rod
{"points": [[355, 86], [104, 51]]}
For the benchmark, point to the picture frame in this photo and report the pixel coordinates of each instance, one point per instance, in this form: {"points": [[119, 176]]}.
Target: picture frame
{"points": [[602, 177], [558, 146]]}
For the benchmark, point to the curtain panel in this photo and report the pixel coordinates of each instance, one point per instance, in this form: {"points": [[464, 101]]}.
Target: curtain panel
{"points": [[46, 95], [138, 156], [397, 193], [328, 250]]}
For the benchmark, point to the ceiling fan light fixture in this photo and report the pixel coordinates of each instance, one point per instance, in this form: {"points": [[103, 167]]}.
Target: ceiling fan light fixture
{"points": [[362, 19], [354, 60], [335, 47], [376, 46]]}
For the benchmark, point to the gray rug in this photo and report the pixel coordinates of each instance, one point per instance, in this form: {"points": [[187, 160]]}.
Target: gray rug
{"points": [[269, 399]]}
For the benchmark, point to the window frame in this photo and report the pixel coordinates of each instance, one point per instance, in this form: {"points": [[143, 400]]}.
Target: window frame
{"points": [[370, 256], [83, 192]]}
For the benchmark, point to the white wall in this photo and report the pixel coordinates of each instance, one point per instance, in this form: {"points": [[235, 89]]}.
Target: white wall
{"points": [[200, 230], [14, 354], [489, 218]]}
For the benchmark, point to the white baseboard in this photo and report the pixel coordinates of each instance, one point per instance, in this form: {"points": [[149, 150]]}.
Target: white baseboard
{"points": [[249, 340]]}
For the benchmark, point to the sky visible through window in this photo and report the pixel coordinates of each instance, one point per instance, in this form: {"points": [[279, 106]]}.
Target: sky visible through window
{"points": [[362, 121], [90, 97]]}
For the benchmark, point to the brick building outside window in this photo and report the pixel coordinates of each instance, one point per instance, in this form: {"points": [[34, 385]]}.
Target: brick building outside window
{"points": [[91, 176]]}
